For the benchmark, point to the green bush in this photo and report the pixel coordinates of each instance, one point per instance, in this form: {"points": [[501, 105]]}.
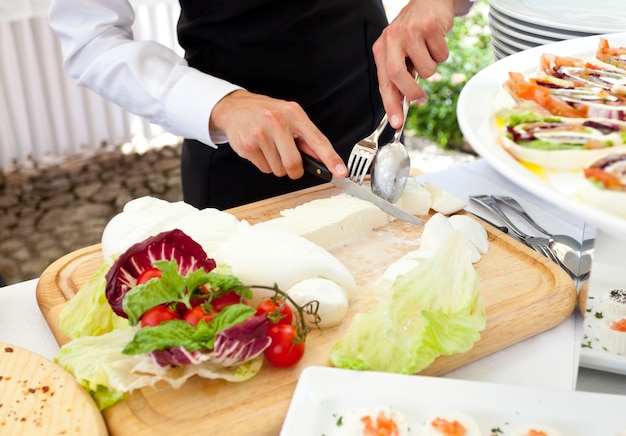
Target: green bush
{"points": [[470, 51]]}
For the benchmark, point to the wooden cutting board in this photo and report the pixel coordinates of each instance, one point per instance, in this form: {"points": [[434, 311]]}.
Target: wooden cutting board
{"points": [[38, 397], [524, 294]]}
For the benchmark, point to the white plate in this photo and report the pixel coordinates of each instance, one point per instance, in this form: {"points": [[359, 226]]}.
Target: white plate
{"points": [[534, 28], [510, 40], [604, 278], [478, 126], [503, 47], [532, 39], [601, 16], [323, 395]]}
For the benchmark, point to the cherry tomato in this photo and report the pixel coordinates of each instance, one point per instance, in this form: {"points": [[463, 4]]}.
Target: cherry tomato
{"points": [[284, 350], [229, 298], [158, 314], [194, 315], [278, 312], [149, 274]]}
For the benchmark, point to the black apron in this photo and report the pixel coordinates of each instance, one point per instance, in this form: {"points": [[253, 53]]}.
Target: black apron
{"points": [[314, 52]]}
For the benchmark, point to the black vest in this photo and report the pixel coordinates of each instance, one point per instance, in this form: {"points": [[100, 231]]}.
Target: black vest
{"points": [[315, 52]]}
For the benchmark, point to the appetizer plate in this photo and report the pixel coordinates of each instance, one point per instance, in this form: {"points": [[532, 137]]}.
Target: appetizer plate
{"points": [[604, 277], [484, 90], [323, 396]]}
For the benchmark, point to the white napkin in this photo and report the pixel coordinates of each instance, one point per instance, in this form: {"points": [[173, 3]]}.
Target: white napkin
{"points": [[21, 322]]}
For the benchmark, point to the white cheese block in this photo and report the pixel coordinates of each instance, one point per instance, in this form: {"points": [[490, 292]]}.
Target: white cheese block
{"points": [[329, 222], [443, 201], [264, 254], [415, 199]]}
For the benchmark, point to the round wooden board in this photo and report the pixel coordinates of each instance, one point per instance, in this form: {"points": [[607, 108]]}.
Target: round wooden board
{"points": [[41, 398]]}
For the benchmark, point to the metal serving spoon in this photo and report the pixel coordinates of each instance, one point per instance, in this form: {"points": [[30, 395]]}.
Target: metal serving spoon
{"points": [[392, 165]]}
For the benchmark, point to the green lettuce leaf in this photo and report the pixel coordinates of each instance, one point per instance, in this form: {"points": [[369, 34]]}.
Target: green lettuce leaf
{"points": [[434, 309], [88, 313], [174, 288], [179, 333], [109, 375]]}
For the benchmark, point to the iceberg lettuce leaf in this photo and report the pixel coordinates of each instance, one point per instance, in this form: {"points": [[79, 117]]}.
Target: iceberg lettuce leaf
{"points": [[434, 309], [100, 367], [88, 313]]}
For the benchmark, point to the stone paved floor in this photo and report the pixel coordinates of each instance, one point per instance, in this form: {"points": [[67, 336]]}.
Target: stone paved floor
{"points": [[48, 212]]}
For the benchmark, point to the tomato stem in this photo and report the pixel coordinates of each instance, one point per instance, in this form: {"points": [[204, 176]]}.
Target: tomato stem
{"points": [[310, 308]]}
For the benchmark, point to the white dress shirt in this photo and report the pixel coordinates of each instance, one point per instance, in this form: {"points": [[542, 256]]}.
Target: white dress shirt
{"points": [[144, 77]]}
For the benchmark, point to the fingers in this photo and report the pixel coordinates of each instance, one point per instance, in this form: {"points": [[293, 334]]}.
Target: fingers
{"points": [[414, 40], [267, 132]]}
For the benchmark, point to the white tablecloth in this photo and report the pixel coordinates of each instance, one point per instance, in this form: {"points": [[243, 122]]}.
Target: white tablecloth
{"points": [[548, 360]]}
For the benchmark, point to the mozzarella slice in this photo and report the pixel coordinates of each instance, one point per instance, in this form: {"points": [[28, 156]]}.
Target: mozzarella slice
{"points": [[443, 201], [415, 199], [332, 299], [473, 229]]}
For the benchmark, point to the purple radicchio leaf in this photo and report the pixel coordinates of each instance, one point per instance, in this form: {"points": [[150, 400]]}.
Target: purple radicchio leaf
{"points": [[173, 244], [232, 346], [177, 356], [241, 342]]}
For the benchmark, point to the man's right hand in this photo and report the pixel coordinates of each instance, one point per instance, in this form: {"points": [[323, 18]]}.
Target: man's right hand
{"points": [[270, 133]]}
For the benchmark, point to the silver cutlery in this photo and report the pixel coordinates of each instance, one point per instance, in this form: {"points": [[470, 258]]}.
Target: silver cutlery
{"points": [[569, 252], [363, 153], [540, 244]]}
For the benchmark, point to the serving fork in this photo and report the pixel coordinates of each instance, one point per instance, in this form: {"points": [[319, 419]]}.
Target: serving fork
{"points": [[363, 153]]}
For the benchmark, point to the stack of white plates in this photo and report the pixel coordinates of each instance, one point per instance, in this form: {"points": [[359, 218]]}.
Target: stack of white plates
{"points": [[517, 25]]}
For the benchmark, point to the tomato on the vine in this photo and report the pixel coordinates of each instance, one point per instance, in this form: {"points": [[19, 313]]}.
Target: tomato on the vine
{"points": [[195, 314], [158, 314], [277, 311], [285, 349], [229, 298], [147, 275]]}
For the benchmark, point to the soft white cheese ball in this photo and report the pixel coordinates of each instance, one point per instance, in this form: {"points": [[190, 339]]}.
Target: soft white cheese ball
{"points": [[331, 298]]}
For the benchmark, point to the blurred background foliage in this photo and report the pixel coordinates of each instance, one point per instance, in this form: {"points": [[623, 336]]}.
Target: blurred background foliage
{"points": [[470, 51]]}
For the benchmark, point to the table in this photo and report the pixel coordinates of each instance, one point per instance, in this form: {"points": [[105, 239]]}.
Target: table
{"points": [[22, 323]]}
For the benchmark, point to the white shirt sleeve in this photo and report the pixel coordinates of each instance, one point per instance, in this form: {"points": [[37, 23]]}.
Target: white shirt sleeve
{"points": [[463, 7], [144, 77]]}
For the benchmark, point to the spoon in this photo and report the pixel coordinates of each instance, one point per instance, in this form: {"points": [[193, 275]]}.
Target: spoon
{"points": [[574, 255], [392, 165]]}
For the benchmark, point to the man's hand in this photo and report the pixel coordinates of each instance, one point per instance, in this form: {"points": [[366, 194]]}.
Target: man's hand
{"points": [[269, 132], [415, 39]]}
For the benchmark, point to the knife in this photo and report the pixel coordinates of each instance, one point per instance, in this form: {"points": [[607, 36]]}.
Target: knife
{"points": [[346, 185]]}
